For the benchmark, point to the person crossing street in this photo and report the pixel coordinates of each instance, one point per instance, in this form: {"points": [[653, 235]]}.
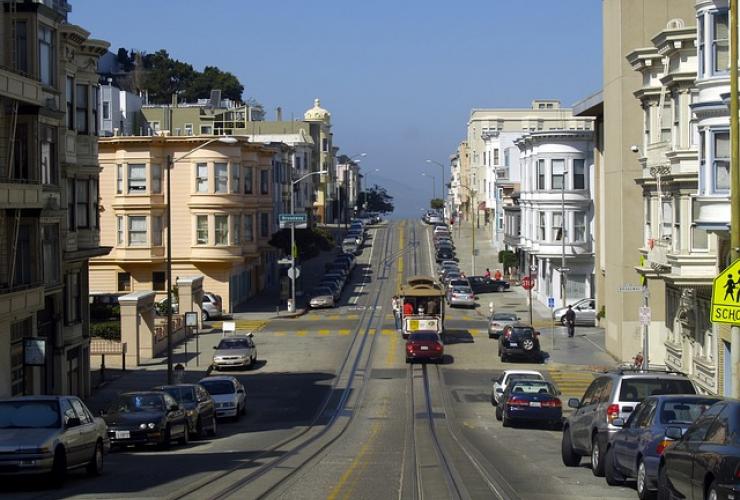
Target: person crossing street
{"points": [[570, 320]]}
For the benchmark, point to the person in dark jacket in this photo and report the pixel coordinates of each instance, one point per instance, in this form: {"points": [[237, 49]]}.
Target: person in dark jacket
{"points": [[570, 321]]}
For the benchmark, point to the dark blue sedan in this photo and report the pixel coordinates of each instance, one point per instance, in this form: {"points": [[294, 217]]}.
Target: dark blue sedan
{"points": [[635, 450], [530, 401]]}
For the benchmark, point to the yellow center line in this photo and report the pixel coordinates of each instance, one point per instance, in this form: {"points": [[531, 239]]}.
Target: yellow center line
{"points": [[344, 331], [301, 333], [323, 331], [390, 357]]}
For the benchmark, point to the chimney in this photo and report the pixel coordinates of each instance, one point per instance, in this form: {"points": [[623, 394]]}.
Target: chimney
{"points": [[279, 114]]}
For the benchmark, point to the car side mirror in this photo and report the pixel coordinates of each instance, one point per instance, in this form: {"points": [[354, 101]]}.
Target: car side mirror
{"points": [[73, 422], [618, 422], [574, 403], [673, 432]]}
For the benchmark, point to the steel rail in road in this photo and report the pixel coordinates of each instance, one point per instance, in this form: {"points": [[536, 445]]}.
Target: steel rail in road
{"points": [[361, 333]]}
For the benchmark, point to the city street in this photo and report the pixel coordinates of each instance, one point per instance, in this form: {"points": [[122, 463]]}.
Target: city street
{"points": [[332, 407]]}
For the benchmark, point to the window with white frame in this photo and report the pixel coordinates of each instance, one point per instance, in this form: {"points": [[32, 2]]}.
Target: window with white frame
{"points": [[700, 34], [720, 42], [646, 126], [94, 203], [558, 173], [579, 226], [236, 221], [495, 156], [248, 227], [264, 182], [648, 217], [201, 229], [557, 226], [264, 225], [136, 178], [699, 237], [721, 161], [49, 163], [119, 179], [507, 157], [235, 186], [46, 55], [156, 230], [81, 104], [540, 174], [188, 128], [666, 223], [222, 229], [82, 198], [156, 179], [222, 177], [206, 130], [119, 230], [579, 173], [666, 121], [248, 180], [702, 160], [541, 226], [201, 177], [136, 230], [677, 224]]}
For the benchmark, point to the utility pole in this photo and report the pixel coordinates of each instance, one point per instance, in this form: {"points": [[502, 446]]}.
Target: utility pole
{"points": [[563, 270], [735, 185]]}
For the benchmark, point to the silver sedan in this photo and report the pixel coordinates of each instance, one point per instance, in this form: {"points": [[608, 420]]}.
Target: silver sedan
{"points": [[461, 296], [236, 351]]}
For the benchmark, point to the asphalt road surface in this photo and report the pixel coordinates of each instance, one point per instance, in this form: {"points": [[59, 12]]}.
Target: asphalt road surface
{"points": [[334, 411]]}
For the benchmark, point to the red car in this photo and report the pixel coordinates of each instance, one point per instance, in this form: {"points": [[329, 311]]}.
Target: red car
{"points": [[424, 346]]}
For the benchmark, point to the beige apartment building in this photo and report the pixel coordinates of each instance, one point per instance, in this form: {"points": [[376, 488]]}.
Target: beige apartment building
{"points": [[222, 215], [49, 225]]}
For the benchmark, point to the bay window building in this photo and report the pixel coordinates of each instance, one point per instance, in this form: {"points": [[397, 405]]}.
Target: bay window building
{"points": [[222, 216]]}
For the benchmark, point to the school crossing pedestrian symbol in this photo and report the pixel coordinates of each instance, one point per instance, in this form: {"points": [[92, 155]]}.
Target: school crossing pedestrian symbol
{"points": [[726, 295]]}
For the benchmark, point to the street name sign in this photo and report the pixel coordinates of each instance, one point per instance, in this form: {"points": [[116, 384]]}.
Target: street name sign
{"points": [[285, 262], [629, 288], [726, 295], [288, 220]]}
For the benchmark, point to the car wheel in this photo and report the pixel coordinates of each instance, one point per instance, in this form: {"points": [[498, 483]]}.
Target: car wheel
{"points": [[59, 468], [505, 421], [712, 491], [528, 344], [499, 414], [643, 493], [166, 438], [95, 466], [663, 491], [499, 288], [563, 321], [185, 439], [213, 426], [244, 409], [597, 456], [613, 477], [199, 430], [570, 457], [204, 316]]}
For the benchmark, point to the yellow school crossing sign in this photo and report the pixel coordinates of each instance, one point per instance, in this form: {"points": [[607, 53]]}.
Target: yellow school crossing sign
{"points": [[726, 295]]}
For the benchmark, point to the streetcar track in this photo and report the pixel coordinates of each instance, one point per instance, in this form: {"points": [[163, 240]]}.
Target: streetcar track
{"points": [[368, 314]]}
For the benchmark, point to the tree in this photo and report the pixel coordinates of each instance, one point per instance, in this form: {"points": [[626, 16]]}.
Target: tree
{"points": [[437, 203], [508, 260], [376, 199], [213, 78], [164, 76]]}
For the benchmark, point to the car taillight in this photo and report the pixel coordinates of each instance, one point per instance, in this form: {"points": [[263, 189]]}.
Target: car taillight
{"points": [[437, 346], [663, 445], [472, 295], [612, 412], [409, 347], [552, 403], [737, 472], [515, 401]]}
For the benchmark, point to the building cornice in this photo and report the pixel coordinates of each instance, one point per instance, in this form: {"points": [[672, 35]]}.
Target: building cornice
{"points": [[644, 58]]}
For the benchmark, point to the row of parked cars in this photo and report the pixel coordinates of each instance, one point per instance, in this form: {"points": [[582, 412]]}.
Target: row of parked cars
{"points": [[55, 434], [650, 426], [104, 306]]}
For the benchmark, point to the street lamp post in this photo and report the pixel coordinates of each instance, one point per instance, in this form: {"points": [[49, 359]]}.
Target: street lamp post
{"points": [[472, 198], [170, 164], [442, 167], [434, 184], [563, 269], [291, 306]]}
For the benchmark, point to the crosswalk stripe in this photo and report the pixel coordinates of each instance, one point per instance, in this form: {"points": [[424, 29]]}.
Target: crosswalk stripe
{"points": [[323, 331], [388, 331], [371, 331], [344, 331], [301, 333], [474, 332]]}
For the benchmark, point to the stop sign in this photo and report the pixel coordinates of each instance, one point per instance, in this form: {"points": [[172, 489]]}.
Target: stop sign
{"points": [[527, 283]]}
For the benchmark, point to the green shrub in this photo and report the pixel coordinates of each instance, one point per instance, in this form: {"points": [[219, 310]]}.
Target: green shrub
{"points": [[110, 330]]}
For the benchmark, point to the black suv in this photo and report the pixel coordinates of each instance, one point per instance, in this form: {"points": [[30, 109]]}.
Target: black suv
{"points": [[445, 254], [519, 340]]}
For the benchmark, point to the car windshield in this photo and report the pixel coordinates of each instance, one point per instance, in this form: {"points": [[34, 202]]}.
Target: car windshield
{"points": [[29, 415], [684, 411], [637, 389], [461, 283], [504, 317], [321, 291], [133, 403], [532, 387], [181, 394], [461, 289], [216, 387], [423, 337], [522, 332], [233, 344]]}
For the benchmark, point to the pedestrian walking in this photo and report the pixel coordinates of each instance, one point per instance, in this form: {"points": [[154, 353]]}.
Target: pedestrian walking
{"points": [[487, 274], [498, 275], [570, 320], [396, 304]]}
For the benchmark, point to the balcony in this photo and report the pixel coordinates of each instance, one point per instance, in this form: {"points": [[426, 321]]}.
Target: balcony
{"points": [[139, 254], [21, 88], [21, 300], [713, 213], [657, 255], [20, 194], [203, 253]]}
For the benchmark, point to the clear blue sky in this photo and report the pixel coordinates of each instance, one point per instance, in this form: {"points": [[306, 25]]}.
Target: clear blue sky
{"points": [[399, 77]]}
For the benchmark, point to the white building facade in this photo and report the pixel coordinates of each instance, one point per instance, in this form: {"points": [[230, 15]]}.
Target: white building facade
{"points": [[556, 194]]}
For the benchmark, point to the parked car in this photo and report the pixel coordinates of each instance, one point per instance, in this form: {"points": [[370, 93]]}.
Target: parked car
{"points": [[211, 306], [440, 228], [635, 450], [531, 401], [705, 461], [425, 346], [519, 340], [460, 295], [50, 434], [334, 285], [198, 404], [435, 219], [503, 380], [348, 259], [481, 284], [585, 310], [228, 393], [235, 351], [350, 245], [146, 417], [444, 254], [498, 321], [614, 394], [321, 296], [104, 306], [336, 275]]}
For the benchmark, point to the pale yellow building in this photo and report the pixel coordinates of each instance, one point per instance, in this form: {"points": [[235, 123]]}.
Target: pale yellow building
{"points": [[222, 215]]}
